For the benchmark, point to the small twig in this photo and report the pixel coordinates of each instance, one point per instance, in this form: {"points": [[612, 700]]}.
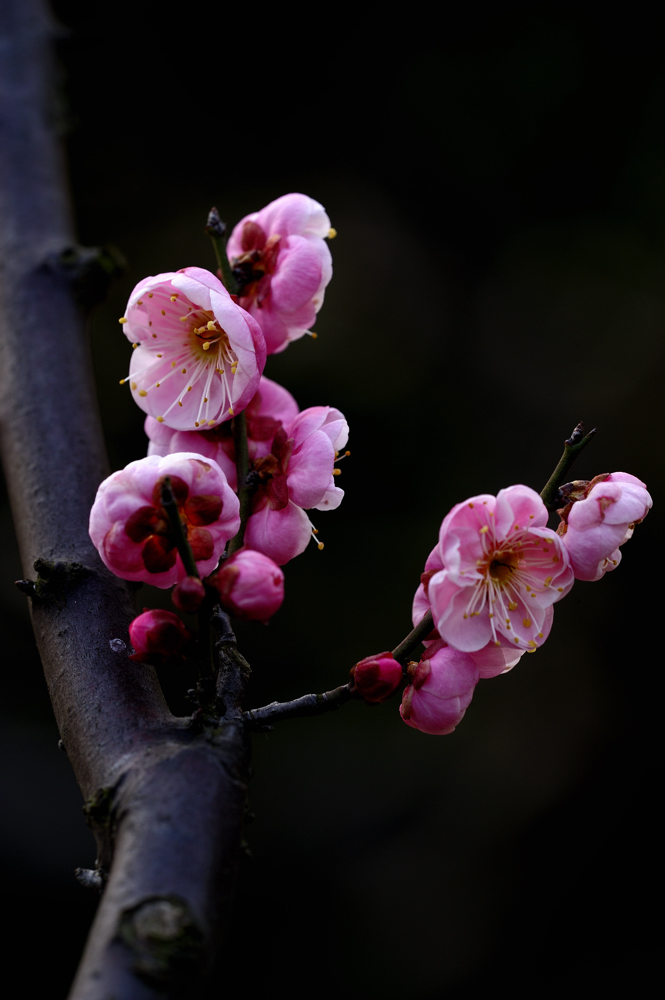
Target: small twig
{"points": [[234, 670], [184, 548], [216, 230], [308, 704], [576, 443], [245, 489], [414, 638]]}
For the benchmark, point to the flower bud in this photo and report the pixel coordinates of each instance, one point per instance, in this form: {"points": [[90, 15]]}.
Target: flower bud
{"points": [[377, 677], [188, 594], [158, 637], [441, 689], [250, 585]]}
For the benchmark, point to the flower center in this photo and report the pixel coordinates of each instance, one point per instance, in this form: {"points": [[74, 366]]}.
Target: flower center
{"points": [[208, 340], [502, 567]]}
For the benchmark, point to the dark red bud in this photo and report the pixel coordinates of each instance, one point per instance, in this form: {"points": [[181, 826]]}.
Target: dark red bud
{"points": [[377, 677], [188, 594]]}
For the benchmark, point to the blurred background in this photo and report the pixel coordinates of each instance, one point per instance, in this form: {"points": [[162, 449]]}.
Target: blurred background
{"points": [[498, 187]]}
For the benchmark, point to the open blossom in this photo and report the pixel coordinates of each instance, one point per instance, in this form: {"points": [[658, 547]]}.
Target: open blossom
{"points": [[198, 355], [503, 569], [250, 585], [296, 475], [282, 265], [595, 526], [491, 660], [441, 688], [272, 407], [130, 528]]}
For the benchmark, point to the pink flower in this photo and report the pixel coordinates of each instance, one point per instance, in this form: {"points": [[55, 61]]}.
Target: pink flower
{"points": [[158, 637], [502, 571], [491, 660], [198, 356], [271, 408], [441, 688], [296, 475], [593, 528], [282, 264], [250, 585], [130, 528], [377, 677]]}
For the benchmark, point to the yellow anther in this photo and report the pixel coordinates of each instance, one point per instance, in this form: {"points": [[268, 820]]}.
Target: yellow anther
{"points": [[220, 371], [149, 295], [315, 531], [133, 385], [211, 325], [555, 558], [179, 402], [135, 346], [560, 589], [142, 392], [173, 364], [183, 318], [157, 385], [337, 472], [540, 635], [184, 371], [123, 380], [547, 581], [173, 298], [465, 615], [470, 505], [140, 302], [163, 312], [516, 639], [512, 606], [160, 355], [196, 423], [516, 528], [319, 545], [189, 388], [205, 399], [206, 345], [332, 233], [211, 423], [154, 336], [527, 623], [160, 420], [123, 319], [483, 530], [231, 413], [234, 369]]}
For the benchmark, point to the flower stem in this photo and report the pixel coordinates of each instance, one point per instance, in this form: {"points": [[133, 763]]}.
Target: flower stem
{"points": [[309, 704], [216, 230], [245, 490], [183, 546], [576, 443]]}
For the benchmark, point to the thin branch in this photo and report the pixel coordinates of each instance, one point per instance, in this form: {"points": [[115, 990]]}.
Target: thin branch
{"points": [[308, 704], [575, 444], [414, 638]]}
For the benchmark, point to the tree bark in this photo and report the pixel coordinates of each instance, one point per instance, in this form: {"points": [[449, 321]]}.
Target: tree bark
{"points": [[165, 801]]}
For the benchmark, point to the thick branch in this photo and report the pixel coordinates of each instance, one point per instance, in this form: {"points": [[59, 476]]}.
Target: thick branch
{"points": [[165, 803]]}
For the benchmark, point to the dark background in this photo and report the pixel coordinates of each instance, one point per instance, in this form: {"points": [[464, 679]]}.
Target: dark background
{"points": [[498, 188]]}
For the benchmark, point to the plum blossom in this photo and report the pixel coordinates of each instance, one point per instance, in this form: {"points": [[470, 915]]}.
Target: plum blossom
{"points": [[158, 637], [595, 525], [296, 475], [198, 355], [377, 677], [503, 569], [250, 585], [491, 659], [272, 407], [282, 265], [441, 689], [130, 528]]}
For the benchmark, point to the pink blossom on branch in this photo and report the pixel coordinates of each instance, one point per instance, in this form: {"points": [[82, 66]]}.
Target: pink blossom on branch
{"points": [[250, 585], [594, 527], [503, 569], [130, 529], [491, 660], [271, 408], [295, 476], [282, 265], [198, 355], [441, 689]]}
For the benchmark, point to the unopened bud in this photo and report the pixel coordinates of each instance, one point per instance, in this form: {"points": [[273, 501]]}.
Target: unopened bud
{"points": [[250, 585], [188, 594], [377, 677], [158, 637], [440, 691]]}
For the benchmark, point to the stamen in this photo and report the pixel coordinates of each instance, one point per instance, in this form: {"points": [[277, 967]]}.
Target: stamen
{"points": [[310, 333], [123, 319], [332, 233]]}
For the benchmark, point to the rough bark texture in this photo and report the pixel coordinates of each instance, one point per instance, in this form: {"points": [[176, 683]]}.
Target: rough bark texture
{"points": [[165, 801]]}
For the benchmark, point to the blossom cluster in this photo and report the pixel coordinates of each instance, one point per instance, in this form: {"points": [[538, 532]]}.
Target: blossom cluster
{"points": [[173, 518], [199, 352]]}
